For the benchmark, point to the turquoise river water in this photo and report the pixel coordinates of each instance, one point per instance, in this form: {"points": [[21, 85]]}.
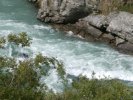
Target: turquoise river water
{"points": [[79, 56]]}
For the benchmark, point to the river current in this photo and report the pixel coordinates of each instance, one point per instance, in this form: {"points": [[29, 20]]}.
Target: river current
{"points": [[78, 55]]}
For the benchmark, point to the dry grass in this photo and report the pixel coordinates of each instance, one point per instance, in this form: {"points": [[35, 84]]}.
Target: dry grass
{"points": [[107, 6]]}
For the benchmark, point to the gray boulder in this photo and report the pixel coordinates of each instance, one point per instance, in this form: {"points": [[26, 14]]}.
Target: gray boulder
{"points": [[65, 11], [116, 26], [119, 24], [122, 26]]}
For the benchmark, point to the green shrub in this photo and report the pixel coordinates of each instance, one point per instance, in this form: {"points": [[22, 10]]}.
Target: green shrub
{"points": [[2, 42], [127, 8], [21, 80], [94, 89], [22, 38]]}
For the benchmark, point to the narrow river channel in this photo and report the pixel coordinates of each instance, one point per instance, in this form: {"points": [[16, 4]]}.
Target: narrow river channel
{"points": [[79, 56]]}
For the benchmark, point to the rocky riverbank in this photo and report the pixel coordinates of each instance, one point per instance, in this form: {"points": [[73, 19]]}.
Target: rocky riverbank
{"points": [[117, 28], [81, 17]]}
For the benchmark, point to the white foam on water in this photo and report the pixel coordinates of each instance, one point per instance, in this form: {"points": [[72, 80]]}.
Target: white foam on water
{"points": [[69, 33], [53, 81], [79, 57], [42, 27], [14, 25], [5, 32], [91, 57]]}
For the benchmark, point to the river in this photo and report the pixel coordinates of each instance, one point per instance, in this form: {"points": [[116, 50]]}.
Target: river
{"points": [[78, 55]]}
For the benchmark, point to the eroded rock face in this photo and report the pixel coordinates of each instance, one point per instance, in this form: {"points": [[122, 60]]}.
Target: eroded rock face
{"points": [[122, 26], [95, 20], [88, 29], [116, 26], [65, 11], [117, 23]]}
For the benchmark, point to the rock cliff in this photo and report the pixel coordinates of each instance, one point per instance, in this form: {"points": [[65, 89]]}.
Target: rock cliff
{"points": [[65, 11]]}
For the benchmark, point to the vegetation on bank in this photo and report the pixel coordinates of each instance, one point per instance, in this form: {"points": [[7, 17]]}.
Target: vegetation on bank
{"points": [[127, 8], [94, 89], [20, 80], [107, 6]]}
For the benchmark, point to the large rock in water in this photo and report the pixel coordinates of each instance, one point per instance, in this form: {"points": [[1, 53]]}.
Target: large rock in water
{"points": [[65, 11], [117, 24]]}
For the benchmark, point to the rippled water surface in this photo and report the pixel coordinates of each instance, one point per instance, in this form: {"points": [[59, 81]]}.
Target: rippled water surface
{"points": [[79, 57]]}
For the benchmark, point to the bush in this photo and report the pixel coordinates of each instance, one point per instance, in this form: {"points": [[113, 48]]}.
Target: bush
{"points": [[94, 89], [2, 42], [21, 38], [21, 80]]}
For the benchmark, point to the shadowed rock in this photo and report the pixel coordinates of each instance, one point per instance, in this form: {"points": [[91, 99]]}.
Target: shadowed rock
{"points": [[24, 55], [65, 11]]}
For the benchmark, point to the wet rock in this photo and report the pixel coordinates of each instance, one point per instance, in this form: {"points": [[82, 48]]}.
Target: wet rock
{"points": [[108, 36], [24, 55], [126, 47]]}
